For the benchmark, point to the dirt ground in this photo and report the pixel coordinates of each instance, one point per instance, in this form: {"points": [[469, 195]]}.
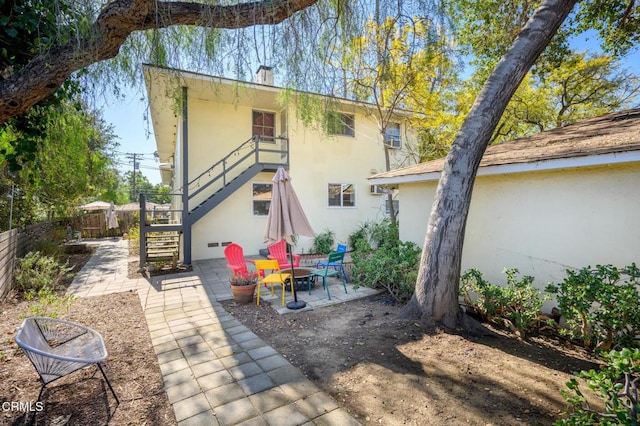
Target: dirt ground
{"points": [[83, 398], [387, 371], [383, 370]]}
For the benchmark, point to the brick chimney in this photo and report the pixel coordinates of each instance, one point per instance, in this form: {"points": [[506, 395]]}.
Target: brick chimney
{"points": [[264, 75]]}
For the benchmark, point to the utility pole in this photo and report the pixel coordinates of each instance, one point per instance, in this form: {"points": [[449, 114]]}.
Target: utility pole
{"points": [[134, 157]]}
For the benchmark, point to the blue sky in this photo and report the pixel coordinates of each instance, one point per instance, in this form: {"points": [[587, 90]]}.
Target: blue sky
{"points": [[128, 118]]}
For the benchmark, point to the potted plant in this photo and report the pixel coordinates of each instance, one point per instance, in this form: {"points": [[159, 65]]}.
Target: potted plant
{"points": [[243, 285]]}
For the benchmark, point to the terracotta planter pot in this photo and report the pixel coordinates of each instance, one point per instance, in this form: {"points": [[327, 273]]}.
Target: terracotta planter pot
{"points": [[243, 294]]}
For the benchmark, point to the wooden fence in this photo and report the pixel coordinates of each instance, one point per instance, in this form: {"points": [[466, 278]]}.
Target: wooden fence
{"points": [[15, 244], [94, 225]]}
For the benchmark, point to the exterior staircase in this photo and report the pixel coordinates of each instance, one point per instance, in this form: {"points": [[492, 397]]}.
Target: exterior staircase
{"points": [[225, 191], [205, 192]]}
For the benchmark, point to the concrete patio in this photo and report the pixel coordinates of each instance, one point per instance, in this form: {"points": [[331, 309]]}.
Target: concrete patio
{"points": [[216, 371]]}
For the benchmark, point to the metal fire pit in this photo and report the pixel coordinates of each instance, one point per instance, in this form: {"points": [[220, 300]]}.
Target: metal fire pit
{"points": [[301, 276]]}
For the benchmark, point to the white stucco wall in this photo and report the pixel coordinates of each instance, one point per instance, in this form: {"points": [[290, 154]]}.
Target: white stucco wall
{"points": [[541, 223], [215, 128]]}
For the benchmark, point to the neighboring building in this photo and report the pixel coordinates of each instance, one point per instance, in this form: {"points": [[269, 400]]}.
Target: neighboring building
{"points": [[226, 138], [564, 198]]}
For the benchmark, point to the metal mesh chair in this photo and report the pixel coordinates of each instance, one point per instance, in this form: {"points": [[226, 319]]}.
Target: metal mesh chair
{"points": [[58, 348]]}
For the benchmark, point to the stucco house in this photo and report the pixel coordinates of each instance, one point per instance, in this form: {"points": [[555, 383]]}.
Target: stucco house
{"points": [[564, 198], [220, 142]]}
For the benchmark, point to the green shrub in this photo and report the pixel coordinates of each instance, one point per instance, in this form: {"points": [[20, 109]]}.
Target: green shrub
{"points": [[483, 299], [370, 235], [323, 242], [36, 271], [383, 232], [518, 302], [47, 248], [360, 238], [46, 303], [134, 239], [59, 233], [616, 385], [393, 266], [601, 306]]}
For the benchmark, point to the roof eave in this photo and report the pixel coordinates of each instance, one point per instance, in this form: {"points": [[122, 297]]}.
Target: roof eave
{"points": [[535, 166]]}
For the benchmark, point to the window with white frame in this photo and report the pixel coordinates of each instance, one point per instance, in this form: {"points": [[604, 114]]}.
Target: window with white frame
{"points": [[392, 135], [341, 124], [396, 207], [263, 125], [341, 195], [261, 198]]}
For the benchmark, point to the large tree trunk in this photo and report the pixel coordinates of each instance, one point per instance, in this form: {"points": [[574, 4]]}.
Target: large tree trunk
{"points": [[437, 285], [46, 72]]}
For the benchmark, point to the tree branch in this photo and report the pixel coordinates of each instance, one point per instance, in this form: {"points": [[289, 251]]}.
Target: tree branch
{"points": [[46, 72], [627, 13]]}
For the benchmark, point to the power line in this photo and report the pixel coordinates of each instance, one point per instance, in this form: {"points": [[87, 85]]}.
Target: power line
{"points": [[140, 165], [134, 157], [142, 154]]}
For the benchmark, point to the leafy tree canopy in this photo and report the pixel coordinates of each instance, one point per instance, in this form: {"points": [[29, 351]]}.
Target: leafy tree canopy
{"points": [[72, 161], [129, 32], [581, 87], [487, 28]]}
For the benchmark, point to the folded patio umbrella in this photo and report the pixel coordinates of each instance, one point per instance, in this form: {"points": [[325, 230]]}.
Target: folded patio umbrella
{"points": [[286, 220], [112, 218]]}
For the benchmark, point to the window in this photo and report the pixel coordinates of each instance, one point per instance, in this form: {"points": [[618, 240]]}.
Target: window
{"points": [[264, 125], [340, 124], [396, 207], [392, 135], [261, 198], [341, 195]]}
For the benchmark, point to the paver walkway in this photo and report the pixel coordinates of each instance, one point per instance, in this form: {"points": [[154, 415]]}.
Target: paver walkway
{"points": [[216, 371]]}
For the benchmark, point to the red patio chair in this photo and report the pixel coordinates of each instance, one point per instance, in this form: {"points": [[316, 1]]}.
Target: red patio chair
{"points": [[278, 251], [235, 259]]}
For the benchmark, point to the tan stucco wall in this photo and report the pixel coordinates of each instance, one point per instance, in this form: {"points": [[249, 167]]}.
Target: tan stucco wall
{"points": [[541, 223], [215, 128]]}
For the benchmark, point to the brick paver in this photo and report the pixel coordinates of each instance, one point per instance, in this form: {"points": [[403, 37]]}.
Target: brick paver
{"points": [[215, 370]]}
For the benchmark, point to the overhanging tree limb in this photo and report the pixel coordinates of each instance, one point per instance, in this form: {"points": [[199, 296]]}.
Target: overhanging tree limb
{"points": [[46, 72]]}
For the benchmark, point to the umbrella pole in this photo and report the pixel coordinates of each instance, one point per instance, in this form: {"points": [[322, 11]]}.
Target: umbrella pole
{"points": [[296, 304]]}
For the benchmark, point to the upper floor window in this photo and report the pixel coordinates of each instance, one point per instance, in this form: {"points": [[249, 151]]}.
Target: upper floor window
{"points": [[341, 195], [264, 125], [340, 124], [261, 198], [392, 135]]}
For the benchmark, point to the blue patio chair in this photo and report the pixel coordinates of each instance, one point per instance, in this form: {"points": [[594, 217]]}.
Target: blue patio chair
{"points": [[338, 266], [334, 258]]}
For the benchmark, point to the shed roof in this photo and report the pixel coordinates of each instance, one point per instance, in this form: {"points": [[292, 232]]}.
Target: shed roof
{"points": [[95, 205], [595, 137]]}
